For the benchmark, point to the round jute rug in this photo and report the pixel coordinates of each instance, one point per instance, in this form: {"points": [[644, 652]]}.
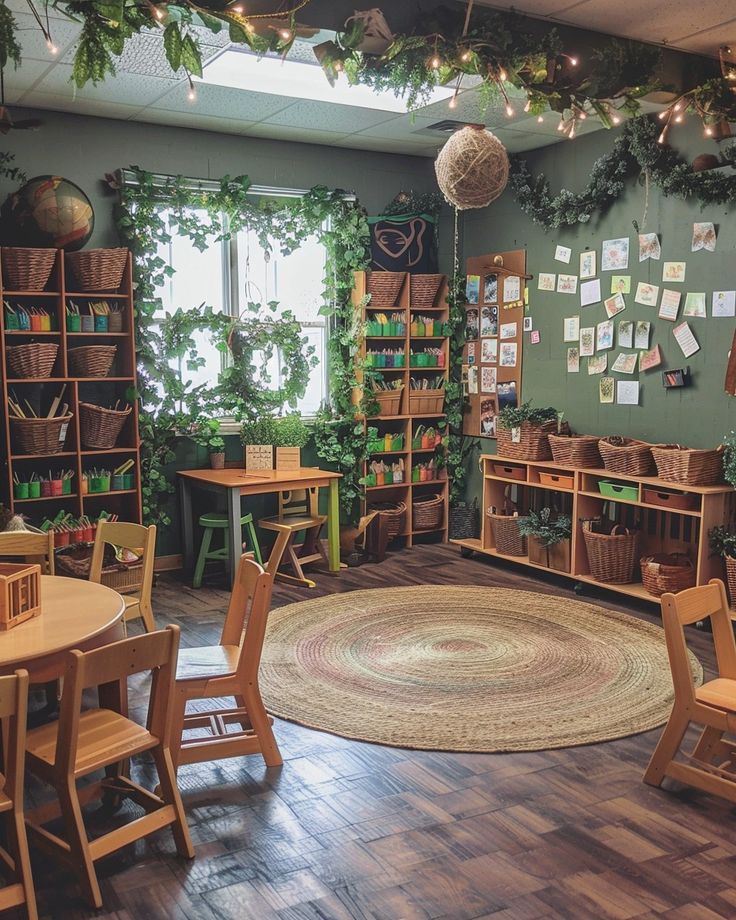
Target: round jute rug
{"points": [[465, 669]]}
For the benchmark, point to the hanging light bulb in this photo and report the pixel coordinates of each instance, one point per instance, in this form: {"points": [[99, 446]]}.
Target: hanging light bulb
{"points": [[573, 61], [465, 56], [159, 13], [561, 125], [52, 48], [435, 62], [237, 9], [540, 119], [662, 115], [503, 76], [286, 35], [677, 106], [509, 110], [581, 115], [662, 136], [192, 94], [338, 66], [708, 131], [616, 119], [528, 105], [453, 102], [678, 118]]}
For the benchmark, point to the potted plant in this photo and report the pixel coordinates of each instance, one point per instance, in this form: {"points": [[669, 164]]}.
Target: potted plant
{"points": [[259, 436], [523, 431], [722, 541], [291, 434], [548, 538], [206, 433]]}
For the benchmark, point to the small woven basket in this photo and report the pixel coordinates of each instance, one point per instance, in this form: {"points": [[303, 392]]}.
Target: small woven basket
{"points": [[91, 360], [577, 450], [425, 402], [34, 359], [612, 557], [100, 427], [667, 573], [626, 456], [427, 512], [731, 578], [384, 288], [394, 513], [506, 535], [97, 269], [38, 435], [424, 290], [532, 443], [27, 269], [688, 466], [389, 402]]}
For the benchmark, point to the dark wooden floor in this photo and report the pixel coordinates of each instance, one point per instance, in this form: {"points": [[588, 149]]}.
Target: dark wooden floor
{"points": [[350, 830]]}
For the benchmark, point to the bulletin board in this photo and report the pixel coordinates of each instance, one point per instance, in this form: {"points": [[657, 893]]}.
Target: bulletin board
{"points": [[494, 335]]}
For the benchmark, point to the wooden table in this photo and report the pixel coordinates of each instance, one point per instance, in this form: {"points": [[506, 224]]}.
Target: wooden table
{"points": [[236, 483]]}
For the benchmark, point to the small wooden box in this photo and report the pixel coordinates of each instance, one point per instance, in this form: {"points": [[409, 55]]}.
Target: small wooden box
{"points": [[556, 480], [20, 593], [258, 457], [288, 458], [509, 471]]}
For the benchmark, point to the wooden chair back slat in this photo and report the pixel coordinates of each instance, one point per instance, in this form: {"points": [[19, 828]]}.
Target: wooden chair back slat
{"points": [[33, 547], [247, 616], [135, 537]]}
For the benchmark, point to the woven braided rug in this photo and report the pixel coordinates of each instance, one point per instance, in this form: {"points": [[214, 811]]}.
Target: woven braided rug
{"points": [[465, 669]]}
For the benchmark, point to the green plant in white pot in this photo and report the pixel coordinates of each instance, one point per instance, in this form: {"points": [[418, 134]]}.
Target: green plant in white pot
{"points": [[549, 538]]}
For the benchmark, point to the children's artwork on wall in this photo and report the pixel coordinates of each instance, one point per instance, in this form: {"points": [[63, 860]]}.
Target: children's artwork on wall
{"points": [[472, 325], [587, 264], [472, 288], [724, 303], [587, 341], [464, 379], [669, 305], [649, 247], [508, 330], [648, 360], [694, 304], [527, 324], [489, 321], [625, 333], [508, 354], [490, 288], [567, 284], [641, 335], [614, 305], [571, 329], [620, 284], [546, 281], [535, 338], [506, 394], [605, 389], [563, 254], [704, 237], [471, 352], [489, 351], [488, 379], [615, 255], [685, 339], [627, 392], [573, 360], [597, 364], [604, 335], [511, 288], [472, 380], [625, 364], [488, 413], [590, 292], [646, 294], [673, 272]]}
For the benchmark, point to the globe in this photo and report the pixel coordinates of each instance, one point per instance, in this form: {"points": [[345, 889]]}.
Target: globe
{"points": [[49, 211]]}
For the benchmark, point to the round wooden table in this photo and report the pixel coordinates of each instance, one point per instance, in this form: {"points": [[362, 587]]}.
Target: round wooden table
{"points": [[74, 614]]}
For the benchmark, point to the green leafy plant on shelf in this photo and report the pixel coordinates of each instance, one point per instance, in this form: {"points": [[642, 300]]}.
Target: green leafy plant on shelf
{"points": [[206, 433], [291, 431], [515, 416], [548, 528], [729, 458], [722, 542]]}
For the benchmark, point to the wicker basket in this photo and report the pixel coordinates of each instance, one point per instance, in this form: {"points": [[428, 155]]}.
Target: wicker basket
{"points": [[91, 360], [506, 535], [626, 456], [533, 442], [100, 427], [35, 359], [38, 435], [731, 578], [426, 402], [389, 402], [612, 557], [691, 467], [427, 512], [663, 574], [424, 290], [394, 513], [464, 520], [97, 269], [384, 288], [578, 450], [27, 269]]}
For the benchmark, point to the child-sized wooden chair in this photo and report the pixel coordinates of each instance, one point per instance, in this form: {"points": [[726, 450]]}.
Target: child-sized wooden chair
{"points": [[298, 512], [136, 591], [712, 764], [80, 743], [229, 669], [36, 548]]}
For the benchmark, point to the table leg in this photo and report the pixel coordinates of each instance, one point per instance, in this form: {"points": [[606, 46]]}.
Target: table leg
{"points": [[187, 524], [333, 528], [236, 534]]}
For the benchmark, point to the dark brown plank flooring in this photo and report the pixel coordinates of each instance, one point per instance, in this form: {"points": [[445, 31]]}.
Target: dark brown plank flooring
{"points": [[351, 830]]}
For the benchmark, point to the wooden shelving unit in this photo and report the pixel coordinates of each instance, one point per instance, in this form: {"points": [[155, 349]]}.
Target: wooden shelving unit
{"points": [[406, 422], [662, 530], [101, 390]]}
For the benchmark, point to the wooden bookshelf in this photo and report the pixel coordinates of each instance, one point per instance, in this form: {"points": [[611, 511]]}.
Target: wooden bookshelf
{"points": [[101, 390]]}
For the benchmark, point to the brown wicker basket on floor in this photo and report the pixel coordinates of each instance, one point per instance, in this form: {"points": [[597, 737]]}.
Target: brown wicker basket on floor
{"points": [[612, 557], [100, 427], [38, 435], [667, 573], [91, 360], [97, 269], [384, 288], [627, 456], [427, 512], [688, 466], [34, 359], [506, 536], [27, 269], [578, 450], [389, 402], [424, 290], [533, 443], [394, 513]]}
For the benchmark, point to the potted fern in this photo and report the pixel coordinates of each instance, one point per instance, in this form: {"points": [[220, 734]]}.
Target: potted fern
{"points": [[523, 431], [548, 538]]}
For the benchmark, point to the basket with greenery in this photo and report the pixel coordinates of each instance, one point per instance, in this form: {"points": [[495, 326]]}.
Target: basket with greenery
{"points": [[523, 431], [722, 541], [548, 536], [291, 435]]}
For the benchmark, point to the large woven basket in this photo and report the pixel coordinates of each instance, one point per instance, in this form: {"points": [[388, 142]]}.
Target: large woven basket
{"points": [[533, 441], [578, 450], [27, 269], [506, 535], [389, 402], [626, 456], [91, 360], [667, 573], [394, 513], [427, 512], [34, 359], [688, 466], [38, 435], [424, 290], [384, 288], [100, 427], [97, 269], [612, 557], [426, 402]]}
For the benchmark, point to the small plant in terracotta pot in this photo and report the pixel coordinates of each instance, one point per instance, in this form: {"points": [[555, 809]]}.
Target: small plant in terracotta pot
{"points": [[206, 433]]}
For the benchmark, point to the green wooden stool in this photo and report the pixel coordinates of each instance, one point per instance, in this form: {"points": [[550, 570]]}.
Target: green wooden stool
{"points": [[216, 521]]}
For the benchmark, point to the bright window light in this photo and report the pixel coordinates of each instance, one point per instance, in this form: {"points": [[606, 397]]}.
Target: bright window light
{"points": [[240, 70]]}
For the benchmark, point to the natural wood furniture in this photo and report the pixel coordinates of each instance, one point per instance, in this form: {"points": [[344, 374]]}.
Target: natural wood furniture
{"points": [[13, 713], [98, 390], [211, 522], [662, 529], [712, 764], [81, 743], [33, 547], [405, 421], [236, 483], [298, 513], [136, 593], [229, 669]]}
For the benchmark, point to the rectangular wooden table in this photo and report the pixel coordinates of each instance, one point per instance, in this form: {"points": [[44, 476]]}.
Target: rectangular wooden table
{"points": [[237, 483]]}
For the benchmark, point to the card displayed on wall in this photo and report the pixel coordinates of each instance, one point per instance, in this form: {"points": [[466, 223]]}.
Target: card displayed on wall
{"points": [[490, 288], [488, 378], [546, 281], [649, 247], [573, 360], [472, 324], [472, 380], [506, 395], [625, 333], [647, 294], [673, 272], [571, 329], [489, 351], [694, 304], [627, 392], [535, 338], [704, 237], [526, 296], [724, 303], [615, 255], [464, 379], [508, 354], [587, 341], [641, 334], [597, 364], [625, 364], [620, 284], [472, 288], [648, 360], [590, 292], [605, 389], [685, 339], [567, 284], [471, 352], [563, 254], [587, 264], [669, 305], [604, 335], [489, 321], [511, 288], [488, 413], [527, 324], [508, 330], [614, 305]]}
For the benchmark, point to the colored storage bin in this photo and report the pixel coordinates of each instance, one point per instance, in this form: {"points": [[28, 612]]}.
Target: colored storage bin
{"points": [[619, 490]]}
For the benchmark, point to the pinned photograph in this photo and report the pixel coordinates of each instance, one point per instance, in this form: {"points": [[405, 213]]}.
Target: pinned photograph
{"points": [[649, 247], [488, 413], [724, 303], [472, 288], [472, 381], [508, 354], [546, 281], [567, 284], [641, 335], [597, 364], [625, 333], [614, 305], [605, 389], [673, 272], [647, 294], [704, 237], [604, 335], [508, 330], [590, 292], [571, 329], [490, 288], [489, 321], [472, 324], [627, 392], [669, 305], [488, 379], [563, 254], [625, 364], [695, 305], [535, 337], [615, 255], [587, 341], [573, 360], [506, 395], [511, 288], [527, 324], [620, 284], [587, 264], [648, 360], [489, 351]]}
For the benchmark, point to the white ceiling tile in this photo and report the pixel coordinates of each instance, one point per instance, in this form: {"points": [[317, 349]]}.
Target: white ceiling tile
{"points": [[285, 133], [382, 145], [224, 102], [33, 44], [124, 88], [324, 116], [40, 100], [22, 79], [404, 127], [192, 119]]}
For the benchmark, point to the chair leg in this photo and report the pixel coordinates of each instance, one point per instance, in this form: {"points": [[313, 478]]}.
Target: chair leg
{"points": [[252, 539], [262, 726], [667, 747], [202, 557], [178, 711], [277, 552], [171, 796], [19, 842], [708, 744], [79, 842], [147, 615]]}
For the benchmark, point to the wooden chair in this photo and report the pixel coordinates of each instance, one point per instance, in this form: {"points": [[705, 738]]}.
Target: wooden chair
{"points": [[229, 669], [712, 764], [138, 583], [81, 743], [13, 712], [33, 547], [297, 512]]}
